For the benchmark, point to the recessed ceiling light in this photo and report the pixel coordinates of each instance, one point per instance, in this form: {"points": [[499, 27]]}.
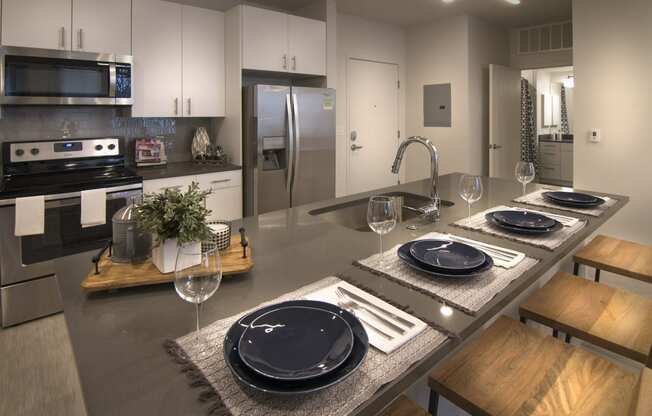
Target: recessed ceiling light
{"points": [[513, 1], [447, 1]]}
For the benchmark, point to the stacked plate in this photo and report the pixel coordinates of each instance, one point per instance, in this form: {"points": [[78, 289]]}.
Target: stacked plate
{"points": [[443, 258], [523, 222], [295, 347], [573, 199]]}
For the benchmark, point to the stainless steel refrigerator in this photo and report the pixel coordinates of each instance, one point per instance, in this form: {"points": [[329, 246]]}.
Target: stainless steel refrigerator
{"points": [[289, 147]]}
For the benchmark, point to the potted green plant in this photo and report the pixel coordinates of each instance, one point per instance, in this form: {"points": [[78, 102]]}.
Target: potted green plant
{"points": [[175, 219]]}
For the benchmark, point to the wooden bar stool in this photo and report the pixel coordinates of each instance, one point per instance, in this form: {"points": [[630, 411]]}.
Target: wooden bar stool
{"points": [[515, 370], [404, 407], [614, 319], [617, 256]]}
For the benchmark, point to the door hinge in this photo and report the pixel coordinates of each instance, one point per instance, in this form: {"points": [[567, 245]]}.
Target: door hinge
{"points": [[398, 84], [398, 134]]}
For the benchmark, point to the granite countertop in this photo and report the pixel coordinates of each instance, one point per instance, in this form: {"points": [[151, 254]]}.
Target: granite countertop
{"points": [[117, 336], [182, 169]]}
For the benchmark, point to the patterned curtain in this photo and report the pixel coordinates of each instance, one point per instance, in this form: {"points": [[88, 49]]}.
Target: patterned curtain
{"points": [[564, 112], [528, 123]]}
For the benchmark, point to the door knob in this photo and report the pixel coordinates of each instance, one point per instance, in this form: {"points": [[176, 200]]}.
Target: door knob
{"points": [[495, 146], [355, 147]]}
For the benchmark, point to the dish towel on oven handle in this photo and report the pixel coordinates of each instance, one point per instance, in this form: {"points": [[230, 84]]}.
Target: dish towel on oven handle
{"points": [[30, 216], [93, 207]]}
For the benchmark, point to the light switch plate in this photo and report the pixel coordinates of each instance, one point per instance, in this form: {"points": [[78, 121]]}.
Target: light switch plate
{"points": [[595, 136]]}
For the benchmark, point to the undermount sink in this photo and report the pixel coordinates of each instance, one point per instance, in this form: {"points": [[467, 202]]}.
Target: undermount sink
{"points": [[353, 214]]}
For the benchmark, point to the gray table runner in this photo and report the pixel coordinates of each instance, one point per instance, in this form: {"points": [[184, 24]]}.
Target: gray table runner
{"points": [[549, 241], [467, 295], [206, 367], [535, 198]]}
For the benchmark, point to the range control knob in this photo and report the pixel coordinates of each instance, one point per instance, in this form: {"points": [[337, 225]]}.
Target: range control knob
{"points": [[99, 147], [35, 151], [20, 152], [111, 146]]}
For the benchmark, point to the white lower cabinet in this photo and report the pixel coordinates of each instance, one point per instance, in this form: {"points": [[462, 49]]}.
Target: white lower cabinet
{"points": [[225, 200]]}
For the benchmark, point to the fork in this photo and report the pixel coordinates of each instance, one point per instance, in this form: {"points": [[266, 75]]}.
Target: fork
{"points": [[347, 307], [346, 300]]}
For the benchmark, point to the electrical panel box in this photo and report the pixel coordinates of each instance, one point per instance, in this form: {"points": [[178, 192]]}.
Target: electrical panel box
{"points": [[437, 105]]}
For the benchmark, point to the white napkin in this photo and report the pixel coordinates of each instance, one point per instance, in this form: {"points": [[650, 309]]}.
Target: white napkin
{"points": [[93, 207], [30, 216], [383, 344]]}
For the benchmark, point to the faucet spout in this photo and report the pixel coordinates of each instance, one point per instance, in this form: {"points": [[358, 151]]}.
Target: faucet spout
{"points": [[434, 167]]}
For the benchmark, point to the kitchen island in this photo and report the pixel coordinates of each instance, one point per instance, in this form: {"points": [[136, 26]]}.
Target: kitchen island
{"points": [[117, 337]]}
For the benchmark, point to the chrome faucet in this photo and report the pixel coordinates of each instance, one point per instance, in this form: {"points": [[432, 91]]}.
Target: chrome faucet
{"points": [[431, 211]]}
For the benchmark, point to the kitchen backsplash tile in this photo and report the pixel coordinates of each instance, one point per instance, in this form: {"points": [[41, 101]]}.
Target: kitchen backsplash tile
{"points": [[19, 123]]}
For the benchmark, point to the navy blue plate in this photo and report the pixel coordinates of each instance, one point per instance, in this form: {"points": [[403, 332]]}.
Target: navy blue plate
{"points": [[446, 255], [526, 231], [296, 343], [573, 199], [523, 219], [405, 255], [256, 381]]}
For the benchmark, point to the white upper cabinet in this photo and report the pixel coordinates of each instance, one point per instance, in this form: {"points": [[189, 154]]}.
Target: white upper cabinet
{"points": [[157, 59], [265, 40], [203, 62], [102, 26], [279, 42], [37, 23], [307, 45]]}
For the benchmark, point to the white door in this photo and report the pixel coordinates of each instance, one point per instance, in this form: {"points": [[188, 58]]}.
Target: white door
{"points": [[504, 120], [373, 124], [36, 23], [157, 59], [307, 45], [102, 26], [203, 62], [264, 40]]}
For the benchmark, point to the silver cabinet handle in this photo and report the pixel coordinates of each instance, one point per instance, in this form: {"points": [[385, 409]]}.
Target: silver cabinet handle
{"points": [[177, 187], [290, 163], [294, 63], [62, 37], [176, 106], [221, 181], [80, 39], [355, 147], [189, 112], [285, 61]]}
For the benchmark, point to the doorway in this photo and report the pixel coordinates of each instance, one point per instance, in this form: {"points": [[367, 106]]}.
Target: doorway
{"points": [[373, 120]]}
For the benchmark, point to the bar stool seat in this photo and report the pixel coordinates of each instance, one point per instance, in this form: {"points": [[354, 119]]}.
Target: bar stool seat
{"points": [[515, 370], [404, 407], [614, 319], [617, 256]]}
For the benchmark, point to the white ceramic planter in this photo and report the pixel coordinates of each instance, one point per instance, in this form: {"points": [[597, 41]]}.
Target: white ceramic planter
{"points": [[164, 256]]}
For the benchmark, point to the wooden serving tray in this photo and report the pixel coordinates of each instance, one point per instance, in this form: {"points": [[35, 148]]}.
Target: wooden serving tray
{"points": [[121, 275]]}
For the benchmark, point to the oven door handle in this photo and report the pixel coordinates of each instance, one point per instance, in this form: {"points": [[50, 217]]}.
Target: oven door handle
{"points": [[75, 199]]}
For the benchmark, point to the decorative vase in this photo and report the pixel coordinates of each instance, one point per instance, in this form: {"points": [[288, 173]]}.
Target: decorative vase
{"points": [[200, 143], [164, 255]]}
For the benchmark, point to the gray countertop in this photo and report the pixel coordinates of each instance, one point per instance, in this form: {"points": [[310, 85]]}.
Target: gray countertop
{"points": [[182, 169], [117, 336]]}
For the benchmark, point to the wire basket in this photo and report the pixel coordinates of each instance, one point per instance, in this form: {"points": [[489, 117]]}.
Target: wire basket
{"points": [[220, 239]]}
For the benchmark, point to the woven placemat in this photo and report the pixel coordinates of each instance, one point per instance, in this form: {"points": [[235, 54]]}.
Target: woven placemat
{"points": [[550, 241], [465, 294], [536, 198], [205, 366]]}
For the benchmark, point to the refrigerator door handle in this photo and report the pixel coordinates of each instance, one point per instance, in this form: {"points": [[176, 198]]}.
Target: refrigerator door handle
{"points": [[290, 162], [297, 137]]}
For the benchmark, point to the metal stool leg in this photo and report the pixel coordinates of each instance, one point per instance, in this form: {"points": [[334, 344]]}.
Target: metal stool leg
{"points": [[597, 275], [433, 403], [555, 333], [568, 338], [576, 269]]}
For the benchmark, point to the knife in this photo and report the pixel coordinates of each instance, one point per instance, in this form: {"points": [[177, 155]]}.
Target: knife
{"points": [[365, 302]]}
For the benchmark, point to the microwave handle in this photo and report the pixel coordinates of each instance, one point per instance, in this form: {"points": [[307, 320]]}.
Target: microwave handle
{"points": [[112, 80]]}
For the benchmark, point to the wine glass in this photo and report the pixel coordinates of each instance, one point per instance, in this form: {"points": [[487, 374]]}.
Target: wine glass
{"points": [[197, 274], [381, 217], [470, 190], [525, 173]]}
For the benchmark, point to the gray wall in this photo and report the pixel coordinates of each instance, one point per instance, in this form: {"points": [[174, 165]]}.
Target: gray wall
{"points": [[19, 123]]}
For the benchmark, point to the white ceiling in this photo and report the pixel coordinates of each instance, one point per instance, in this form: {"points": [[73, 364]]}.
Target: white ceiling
{"points": [[410, 12]]}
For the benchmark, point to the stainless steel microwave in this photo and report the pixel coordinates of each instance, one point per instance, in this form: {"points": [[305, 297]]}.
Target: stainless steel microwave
{"points": [[30, 76]]}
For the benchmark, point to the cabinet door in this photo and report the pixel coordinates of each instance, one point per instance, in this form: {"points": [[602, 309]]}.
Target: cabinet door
{"points": [[159, 185], [36, 23], [225, 204], [264, 40], [102, 26], [307, 45], [157, 59], [203, 62], [567, 165]]}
